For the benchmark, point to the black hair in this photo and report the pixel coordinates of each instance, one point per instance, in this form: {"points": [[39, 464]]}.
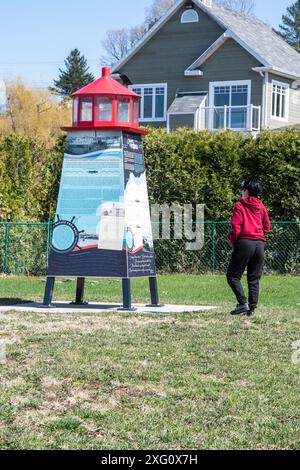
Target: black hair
{"points": [[252, 185]]}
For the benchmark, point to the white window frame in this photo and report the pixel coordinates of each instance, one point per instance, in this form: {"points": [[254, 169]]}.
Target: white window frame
{"points": [[196, 16], [212, 86], [153, 86], [287, 107]]}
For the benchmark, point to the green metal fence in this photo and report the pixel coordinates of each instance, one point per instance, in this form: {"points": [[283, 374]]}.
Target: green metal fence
{"points": [[24, 249]]}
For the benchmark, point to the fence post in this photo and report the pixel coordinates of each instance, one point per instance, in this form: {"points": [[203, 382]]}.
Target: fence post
{"points": [[213, 267], [48, 236], [5, 266]]}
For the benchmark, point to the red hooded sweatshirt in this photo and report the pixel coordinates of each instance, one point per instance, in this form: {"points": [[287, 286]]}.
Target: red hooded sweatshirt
{"points": [[250, 220]]}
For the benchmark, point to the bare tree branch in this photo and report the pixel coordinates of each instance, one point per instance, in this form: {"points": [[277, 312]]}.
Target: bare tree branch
{"points": [[242, 6], [119, 42], [157, 10]]}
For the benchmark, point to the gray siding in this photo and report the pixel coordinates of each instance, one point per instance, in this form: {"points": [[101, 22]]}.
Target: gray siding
{"points": [[170, 52], [232, 62], [294, 104], [176, 46], [181, 120]]}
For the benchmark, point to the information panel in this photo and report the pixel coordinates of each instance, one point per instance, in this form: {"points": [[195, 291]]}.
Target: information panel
{"points": [[141, 259], [102, 226]]}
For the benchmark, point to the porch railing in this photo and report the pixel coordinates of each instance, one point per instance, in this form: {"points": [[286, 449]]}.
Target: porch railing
{"points": [[239, 118]]}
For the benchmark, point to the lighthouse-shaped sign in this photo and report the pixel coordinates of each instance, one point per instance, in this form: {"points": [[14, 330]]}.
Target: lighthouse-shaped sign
{"points": [[102, 226]]}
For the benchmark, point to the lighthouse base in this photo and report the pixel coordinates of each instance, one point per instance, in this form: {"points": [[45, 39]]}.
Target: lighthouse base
{"points": [[126, 290]]}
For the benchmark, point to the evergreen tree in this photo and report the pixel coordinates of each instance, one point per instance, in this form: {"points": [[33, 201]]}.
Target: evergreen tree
{"points": [[75, 76], [290, 28]]}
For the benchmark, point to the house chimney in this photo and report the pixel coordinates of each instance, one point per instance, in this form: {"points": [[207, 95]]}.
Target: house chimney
{"points": [[207, 3]]}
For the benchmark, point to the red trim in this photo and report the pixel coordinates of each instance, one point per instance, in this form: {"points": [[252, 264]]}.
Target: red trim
{"points": [[115, 110], [109, 127], [94, 111], [84, 248], [89, 247], [105, 85], [131, 117], [135, 251], [114, 124]]}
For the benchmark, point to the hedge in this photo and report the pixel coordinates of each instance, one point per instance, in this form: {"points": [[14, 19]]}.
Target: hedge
{"points": [[29, 178], [183, 167], [205, 167]]}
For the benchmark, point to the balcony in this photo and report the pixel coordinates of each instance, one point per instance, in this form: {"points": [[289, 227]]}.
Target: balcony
{"points": [[237, 118]]}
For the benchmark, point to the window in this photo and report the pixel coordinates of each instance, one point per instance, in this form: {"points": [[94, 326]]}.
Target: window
{"points": [[123, 110], [104, 109], [230, 104], [86, 110], [154, 101], [280, 100], [148, 103], [75, 111], [136, 109], [189, 16]]}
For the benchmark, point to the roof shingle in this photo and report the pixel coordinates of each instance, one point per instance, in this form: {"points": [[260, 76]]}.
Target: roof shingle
{"points": [[259, 37]]}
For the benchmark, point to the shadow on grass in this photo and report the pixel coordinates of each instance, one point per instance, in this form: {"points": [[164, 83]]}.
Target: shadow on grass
{"points": [[13, 301]]}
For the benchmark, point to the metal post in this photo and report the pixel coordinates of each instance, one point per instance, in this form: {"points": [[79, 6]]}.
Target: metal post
{"points": [[126, 296], [225, 116], [154, 293], [49, 291], [48, 236], [251, 118], [5, 266], [80, 292], [213, 247]]}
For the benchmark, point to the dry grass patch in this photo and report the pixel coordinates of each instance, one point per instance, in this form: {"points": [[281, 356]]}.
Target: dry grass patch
{"points": [[115, 381]]}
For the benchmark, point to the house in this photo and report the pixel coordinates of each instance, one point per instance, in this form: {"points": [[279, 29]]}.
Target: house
{"points": [[207, 67]]}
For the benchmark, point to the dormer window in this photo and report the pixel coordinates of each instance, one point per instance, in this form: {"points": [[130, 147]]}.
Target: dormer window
{"points": [[190, 16]]}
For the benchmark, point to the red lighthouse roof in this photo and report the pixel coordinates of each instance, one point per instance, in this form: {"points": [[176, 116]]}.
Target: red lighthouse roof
{"points": [[105, 86], [106, 105]]}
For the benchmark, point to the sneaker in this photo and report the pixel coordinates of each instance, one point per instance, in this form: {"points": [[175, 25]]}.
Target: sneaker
{"points": [[240, 308], [251, 312]]}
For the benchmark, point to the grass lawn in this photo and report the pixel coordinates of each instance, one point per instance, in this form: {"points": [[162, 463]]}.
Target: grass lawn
{"points": [[127, 381]]}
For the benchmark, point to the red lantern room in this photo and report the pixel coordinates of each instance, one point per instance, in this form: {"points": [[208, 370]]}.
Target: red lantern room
{"points": [[106, 105]]}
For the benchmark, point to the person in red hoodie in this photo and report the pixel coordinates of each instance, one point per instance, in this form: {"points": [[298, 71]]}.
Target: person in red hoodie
{"points": [[249, 224]]}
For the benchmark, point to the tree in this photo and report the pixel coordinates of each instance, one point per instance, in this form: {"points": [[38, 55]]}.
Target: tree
{"points": [[242, 6], [289, 30], [157, 10], [33, 112], [118, 43], [75, 76]]}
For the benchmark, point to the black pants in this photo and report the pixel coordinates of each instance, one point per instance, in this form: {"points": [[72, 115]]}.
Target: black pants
{"points": [[246, 254]]}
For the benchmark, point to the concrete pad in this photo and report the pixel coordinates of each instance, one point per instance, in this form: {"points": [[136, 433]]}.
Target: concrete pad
{"points": [[66, 307]]}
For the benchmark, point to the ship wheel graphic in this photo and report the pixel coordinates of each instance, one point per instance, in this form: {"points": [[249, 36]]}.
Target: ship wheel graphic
{"points": [[65, 235]]}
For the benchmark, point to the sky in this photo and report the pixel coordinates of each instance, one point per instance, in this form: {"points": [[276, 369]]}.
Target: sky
{"points": [[36, 36]]}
